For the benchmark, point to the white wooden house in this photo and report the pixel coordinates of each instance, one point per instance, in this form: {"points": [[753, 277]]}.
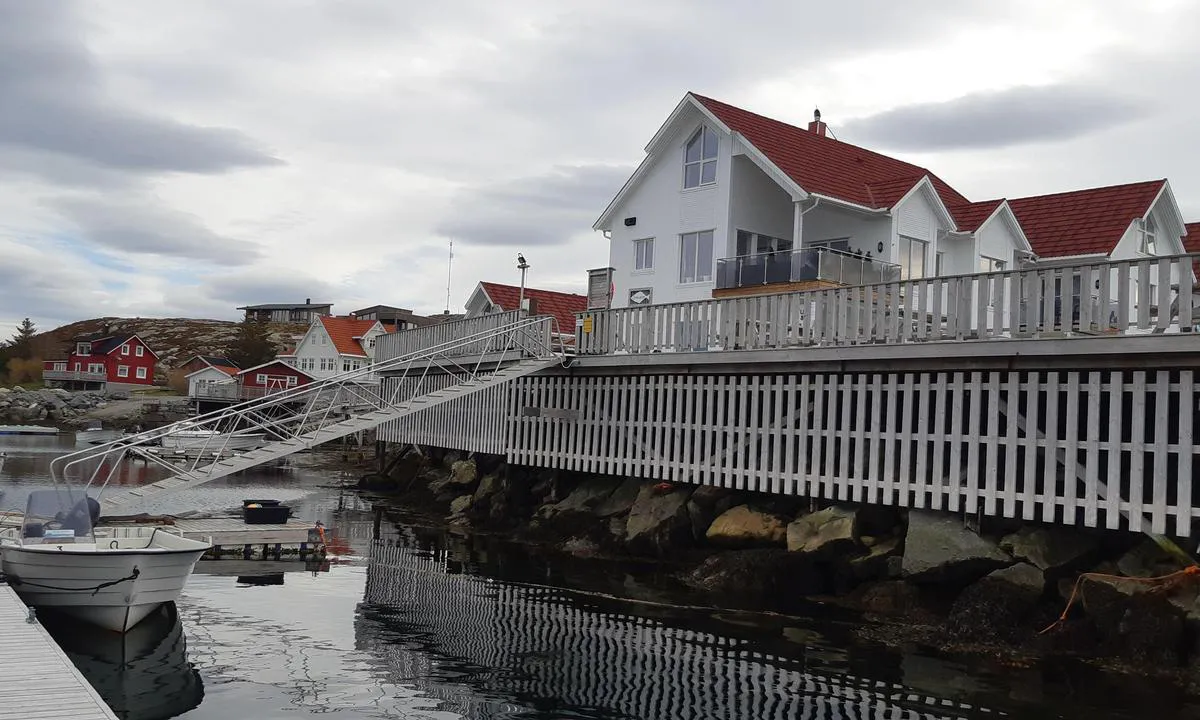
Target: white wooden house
{"points": [[334, 345], [728, 202]]}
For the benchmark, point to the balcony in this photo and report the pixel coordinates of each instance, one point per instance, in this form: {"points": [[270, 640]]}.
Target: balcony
{"points": [[810, 268], [233, 391], [74, 376]]}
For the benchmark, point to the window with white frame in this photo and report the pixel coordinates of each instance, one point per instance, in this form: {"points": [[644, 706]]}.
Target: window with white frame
{"points": [[141, 373], [990, 264], [700, 159], [749, 243], [139, 351], [96, 367], [1149, 231], [125, 349], [696, 257], [122, 371], [939, 263], [83, 349], [291, 381], [261, 378], [643, 254], [912, 257]]}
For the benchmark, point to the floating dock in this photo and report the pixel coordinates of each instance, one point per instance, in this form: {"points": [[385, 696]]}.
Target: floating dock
{"points": [[233, 537], [37, 679], [27, 430]]}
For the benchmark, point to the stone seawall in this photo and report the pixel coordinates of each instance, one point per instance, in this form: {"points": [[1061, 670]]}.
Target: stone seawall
{"points": [[920, 576], [80, 409]]}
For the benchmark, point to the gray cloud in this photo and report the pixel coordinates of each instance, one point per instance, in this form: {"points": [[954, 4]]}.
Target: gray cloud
{"points": [[252, 288], [143, 226], [54, 99], [526, 212], [996, 119]]}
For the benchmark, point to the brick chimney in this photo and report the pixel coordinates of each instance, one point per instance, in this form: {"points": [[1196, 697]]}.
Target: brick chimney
{"points": [[816, 126]]}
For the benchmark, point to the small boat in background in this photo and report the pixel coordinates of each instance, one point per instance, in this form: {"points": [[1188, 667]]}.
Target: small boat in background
{"points": [[27, 430], [212, 441]]}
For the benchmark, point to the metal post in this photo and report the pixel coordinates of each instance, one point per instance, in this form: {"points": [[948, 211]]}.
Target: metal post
{"points": [[523, 267]]}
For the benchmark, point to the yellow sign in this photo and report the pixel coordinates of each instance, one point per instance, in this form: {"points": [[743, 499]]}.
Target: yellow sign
{"points": [[587, 324]]}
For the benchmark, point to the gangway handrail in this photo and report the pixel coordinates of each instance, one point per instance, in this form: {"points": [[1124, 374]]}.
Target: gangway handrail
{"points": [[353, 379]]}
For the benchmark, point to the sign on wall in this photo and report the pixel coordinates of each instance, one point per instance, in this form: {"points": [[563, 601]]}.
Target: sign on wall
{"points": [[641, 296]]}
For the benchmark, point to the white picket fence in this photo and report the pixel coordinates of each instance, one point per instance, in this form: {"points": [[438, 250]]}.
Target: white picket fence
{"points": [[1128, 297]]}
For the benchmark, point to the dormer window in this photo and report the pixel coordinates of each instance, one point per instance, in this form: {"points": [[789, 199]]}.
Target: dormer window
{"points": [[700, 159], [83, 349], [1148, 232]]}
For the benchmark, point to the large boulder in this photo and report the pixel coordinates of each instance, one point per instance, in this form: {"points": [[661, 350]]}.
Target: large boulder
{"points": [[882, 561], [1147, 559], [464, 475], [743, 526], [938, 549], [759, 578], [586, 496], [658, 520], [998, 608], [459, 505], [1134, 622], [705, 504], [620, 500], [827, 533], [1052, 549]]}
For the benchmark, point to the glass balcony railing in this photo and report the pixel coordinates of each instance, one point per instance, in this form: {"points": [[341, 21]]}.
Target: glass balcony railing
{"points": [[811, 263]]}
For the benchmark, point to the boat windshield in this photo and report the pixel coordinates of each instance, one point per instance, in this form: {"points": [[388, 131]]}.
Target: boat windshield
{"points": [[59, 516]]}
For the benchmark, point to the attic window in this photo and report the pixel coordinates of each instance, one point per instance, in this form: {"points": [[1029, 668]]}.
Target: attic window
{"points": [[700, 159], [1149, 230]]}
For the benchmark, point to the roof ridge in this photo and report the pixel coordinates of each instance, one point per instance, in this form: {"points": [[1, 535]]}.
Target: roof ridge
{"points": [[1097, 188], [826, 138]]}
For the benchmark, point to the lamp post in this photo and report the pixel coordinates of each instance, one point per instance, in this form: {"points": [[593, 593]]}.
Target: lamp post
{"points": [[523, 267]]}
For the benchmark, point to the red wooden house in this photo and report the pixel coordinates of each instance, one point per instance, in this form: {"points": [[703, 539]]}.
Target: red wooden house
{"points": [[99, 362], [270, 377]]}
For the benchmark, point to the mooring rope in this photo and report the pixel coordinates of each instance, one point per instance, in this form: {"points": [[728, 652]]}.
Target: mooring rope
{"points": [[16, 581], [1162, 582]]}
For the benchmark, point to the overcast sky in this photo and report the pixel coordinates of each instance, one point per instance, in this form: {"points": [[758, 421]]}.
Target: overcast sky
{"points": [[181, 158]]}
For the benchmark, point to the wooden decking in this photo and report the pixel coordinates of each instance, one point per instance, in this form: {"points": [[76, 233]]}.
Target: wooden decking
{"points": [[37, 679], [232, 531]]}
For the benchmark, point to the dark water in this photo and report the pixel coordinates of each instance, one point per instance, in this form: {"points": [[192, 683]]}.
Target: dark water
{"points": [[426, 624]]}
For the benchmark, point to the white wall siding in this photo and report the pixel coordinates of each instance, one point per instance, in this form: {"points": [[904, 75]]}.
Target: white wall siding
{"points": [[829, 222], [997, 239], [917, 218], [664, 210], [756, 204], [204, 377]]}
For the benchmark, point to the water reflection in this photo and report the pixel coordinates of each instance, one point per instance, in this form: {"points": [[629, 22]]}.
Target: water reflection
{"points": [[490, 649], [143, 674]]}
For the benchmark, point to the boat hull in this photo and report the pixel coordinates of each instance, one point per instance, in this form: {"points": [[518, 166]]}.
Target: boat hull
{"points": [[70, 580], [210, 443]]}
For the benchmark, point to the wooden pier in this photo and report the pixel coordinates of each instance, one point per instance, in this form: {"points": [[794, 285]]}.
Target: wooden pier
{"points": [[37, 679], [232, 537]]}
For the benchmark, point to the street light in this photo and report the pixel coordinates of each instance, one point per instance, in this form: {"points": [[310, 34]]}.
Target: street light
{"points": [[523, 267]]}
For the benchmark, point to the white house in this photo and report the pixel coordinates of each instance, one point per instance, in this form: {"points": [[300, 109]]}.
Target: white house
{"points": [[728, 202], [334, 345], [208, 375]]}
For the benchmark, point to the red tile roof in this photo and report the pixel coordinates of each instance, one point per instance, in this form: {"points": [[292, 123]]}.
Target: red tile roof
{"points": [[562, 306], [343, 330], [1083, 222], [1191, 243], [970, 216], [227, 369], [825, 166]]}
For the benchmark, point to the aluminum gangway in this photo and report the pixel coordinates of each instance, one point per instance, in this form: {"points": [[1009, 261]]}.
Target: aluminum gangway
{"points": [[303, 417]]}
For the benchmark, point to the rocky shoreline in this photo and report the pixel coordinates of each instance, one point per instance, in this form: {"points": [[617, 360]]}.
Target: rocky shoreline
{"points": [[918, 577], [80, 409]]}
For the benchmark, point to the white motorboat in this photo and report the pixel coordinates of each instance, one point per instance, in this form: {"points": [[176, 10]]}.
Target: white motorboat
{"points": [[113, 577], [212, 441]]}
